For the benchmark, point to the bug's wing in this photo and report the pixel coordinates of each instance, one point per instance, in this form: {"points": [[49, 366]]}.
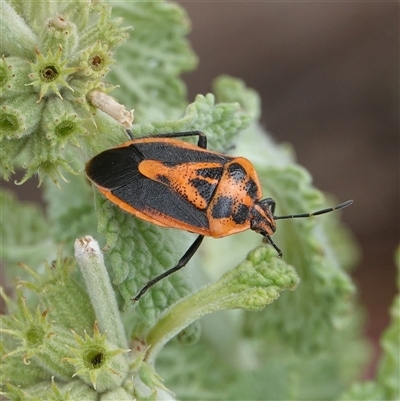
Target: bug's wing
{"points": [[114, 168], [116, 173], [190, 171]]}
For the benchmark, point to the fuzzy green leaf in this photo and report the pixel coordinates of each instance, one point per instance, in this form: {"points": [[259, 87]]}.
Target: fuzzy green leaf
{"points": [[221, 122], [11, 22], [265, 367], [25, 235], [156, 54], [252, 285], [228, 89], [389, 367], [70, 209], [386, 386]]}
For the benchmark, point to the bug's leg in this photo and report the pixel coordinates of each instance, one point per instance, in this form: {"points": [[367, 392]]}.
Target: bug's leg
{"points": [[270, 203], [182, 262], [129, 133], [267, 238], [202, 142]]}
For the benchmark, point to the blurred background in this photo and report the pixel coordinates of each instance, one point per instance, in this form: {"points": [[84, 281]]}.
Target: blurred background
{"points": [[328, 77]]}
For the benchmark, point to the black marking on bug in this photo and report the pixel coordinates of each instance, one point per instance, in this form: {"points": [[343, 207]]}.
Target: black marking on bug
{"points": [[162, 178], [237, 172], [251, 188], [213, 173], [241, 215], [204, 188], [222, 208]]}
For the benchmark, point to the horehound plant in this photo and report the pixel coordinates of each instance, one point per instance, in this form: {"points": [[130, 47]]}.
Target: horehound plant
{"points": [[71, 331]]}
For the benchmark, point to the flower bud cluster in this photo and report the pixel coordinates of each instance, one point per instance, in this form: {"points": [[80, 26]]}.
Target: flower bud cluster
{"points": [[54, 55]]}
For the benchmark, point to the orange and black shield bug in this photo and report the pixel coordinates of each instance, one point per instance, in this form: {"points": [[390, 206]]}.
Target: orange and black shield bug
{"points": [[172, 183]]}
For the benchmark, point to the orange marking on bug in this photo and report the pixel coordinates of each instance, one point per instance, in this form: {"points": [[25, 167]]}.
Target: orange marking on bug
{"points": [[182, 178]]}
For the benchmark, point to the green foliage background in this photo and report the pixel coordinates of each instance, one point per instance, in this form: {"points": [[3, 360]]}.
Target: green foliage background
{"points": [[305, 345]]}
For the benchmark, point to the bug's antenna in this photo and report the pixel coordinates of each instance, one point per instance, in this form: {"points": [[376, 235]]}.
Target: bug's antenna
{"points": [[323, 211]]}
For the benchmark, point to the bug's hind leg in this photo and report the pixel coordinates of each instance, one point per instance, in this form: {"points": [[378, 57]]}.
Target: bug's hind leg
{"points": [[182, 263]]}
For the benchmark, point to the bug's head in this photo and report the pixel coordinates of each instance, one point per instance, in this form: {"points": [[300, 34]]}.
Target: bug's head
{"points": [[262, 218]]}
